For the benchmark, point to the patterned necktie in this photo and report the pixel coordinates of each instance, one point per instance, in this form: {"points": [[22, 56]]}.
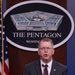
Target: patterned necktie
{"points": [[45, 69]]}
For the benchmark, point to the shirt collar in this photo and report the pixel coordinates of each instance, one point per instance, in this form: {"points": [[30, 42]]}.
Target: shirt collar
{"points": [[49, 64]]}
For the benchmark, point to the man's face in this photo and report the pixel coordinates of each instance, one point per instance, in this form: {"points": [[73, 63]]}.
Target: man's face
{"points": [[46, 51]]}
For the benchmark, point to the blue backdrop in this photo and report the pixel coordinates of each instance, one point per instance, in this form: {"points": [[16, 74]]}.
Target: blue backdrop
{"points": [[71, 42]]}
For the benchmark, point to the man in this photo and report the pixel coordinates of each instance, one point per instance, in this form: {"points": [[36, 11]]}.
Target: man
{"points": [[45, 51]]}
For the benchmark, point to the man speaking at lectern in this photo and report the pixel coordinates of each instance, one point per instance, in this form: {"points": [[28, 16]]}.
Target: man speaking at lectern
{"points": [[45, 65]]}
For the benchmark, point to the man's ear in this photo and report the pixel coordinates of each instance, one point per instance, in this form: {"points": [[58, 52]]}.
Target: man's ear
{"points": [[38, 52], [53, 51]]}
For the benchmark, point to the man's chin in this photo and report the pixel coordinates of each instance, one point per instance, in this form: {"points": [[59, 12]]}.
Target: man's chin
{"points": [[46, 59]]}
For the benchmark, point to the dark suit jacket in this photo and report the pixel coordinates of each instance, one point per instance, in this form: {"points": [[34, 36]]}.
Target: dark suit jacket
{"points": [[34, 68]]}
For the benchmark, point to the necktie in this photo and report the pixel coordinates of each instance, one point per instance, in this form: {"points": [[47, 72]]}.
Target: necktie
{"points": [[45, 69]]}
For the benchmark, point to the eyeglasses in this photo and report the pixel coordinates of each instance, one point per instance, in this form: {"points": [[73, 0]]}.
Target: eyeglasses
{"points": [[45, 48]]}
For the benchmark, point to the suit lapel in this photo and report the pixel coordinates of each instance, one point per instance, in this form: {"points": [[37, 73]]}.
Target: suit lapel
{"points": [[54, 68], [38, 68]]}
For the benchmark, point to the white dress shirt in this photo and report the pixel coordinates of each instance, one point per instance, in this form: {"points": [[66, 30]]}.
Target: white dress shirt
{"points": [[49, 66]]}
